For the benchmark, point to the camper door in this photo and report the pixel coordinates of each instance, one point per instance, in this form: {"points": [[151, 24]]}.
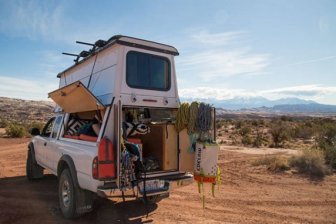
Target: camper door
{"points": [[75, 98]]}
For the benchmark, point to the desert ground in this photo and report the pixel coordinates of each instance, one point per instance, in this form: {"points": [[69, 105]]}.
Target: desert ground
{"points": [[247, 194]]}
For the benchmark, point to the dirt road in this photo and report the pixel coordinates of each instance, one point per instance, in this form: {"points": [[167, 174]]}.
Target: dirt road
{"points": [[247, 195]]}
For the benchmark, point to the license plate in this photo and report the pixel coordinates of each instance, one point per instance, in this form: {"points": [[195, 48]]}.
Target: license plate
{"points": [[152, 185]]}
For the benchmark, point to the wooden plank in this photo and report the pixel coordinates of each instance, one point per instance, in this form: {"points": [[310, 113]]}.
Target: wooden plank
{"points": [[187, 159], [170, 148]]}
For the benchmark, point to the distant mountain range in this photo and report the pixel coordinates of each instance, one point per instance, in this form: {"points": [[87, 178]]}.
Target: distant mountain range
{"points": [[261, 104]]}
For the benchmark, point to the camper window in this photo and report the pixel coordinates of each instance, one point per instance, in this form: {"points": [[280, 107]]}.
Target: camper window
{"points": [[146, 71]]}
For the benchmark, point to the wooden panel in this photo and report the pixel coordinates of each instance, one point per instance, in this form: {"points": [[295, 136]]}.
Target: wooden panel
{"points": [[153, 143], [186, 158], [75, 98], [170, 148]]}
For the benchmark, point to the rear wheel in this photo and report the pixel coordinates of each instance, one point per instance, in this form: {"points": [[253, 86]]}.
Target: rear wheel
{"points": [[73, 200], [66, 193], [33, 170], [156, 198]]}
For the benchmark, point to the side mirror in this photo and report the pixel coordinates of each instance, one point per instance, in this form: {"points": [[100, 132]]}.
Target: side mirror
{"points": [[35, 131]]}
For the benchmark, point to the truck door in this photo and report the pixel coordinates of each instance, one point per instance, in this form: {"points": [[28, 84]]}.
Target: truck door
{"points": [[42, 141], [186, 155], [51, 150]]}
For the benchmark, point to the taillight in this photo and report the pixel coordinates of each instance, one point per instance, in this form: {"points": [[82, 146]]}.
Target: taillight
{"points": [[95, 168]]}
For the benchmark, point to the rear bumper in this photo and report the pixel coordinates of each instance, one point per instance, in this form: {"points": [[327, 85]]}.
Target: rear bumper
{"points": [[181, 181], [171, 182]]}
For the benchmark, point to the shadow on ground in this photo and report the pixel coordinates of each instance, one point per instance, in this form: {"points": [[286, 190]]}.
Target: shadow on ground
{"points": [[22, 201]]}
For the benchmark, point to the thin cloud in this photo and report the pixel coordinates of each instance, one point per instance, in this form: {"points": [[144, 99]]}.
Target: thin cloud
{"points": [[221, 55], [214, 93], [33, 19], [305, 91], [314, 60], [302, 91], [218, 39], [45, 20], [25, 89], [53, 62]]}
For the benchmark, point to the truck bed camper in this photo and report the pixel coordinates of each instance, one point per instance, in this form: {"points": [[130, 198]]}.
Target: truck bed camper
{"points": [[114, 130]]}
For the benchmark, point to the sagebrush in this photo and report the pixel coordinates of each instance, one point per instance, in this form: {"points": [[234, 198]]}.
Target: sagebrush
{"points": [[15, 130], [311, 162]]}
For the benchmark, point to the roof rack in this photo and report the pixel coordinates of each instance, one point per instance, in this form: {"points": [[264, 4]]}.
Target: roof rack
{"points": [[100, 45]]}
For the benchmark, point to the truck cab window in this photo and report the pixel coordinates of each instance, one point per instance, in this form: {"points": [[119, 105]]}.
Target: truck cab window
{"points": [[56, 126], [147, 71], [48, 127]]}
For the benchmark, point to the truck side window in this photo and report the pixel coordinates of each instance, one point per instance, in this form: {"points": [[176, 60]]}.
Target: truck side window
{"points": [[147, 71], [47, 128], [56, 127]]}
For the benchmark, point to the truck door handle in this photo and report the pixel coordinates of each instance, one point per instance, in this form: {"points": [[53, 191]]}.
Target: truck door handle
{"points": [[45, 144]]}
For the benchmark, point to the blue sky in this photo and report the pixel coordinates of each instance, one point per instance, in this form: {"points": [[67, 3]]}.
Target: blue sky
{"points": [[269, 48]]}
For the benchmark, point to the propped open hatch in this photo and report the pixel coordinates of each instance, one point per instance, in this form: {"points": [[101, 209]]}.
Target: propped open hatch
{"points": [[75, 98]]}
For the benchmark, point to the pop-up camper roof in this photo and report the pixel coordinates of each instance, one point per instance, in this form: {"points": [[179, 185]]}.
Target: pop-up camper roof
{"points": [[102, 70], [128, 41]]}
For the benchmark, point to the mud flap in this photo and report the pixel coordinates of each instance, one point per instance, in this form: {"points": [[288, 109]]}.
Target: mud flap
{"points": [[84, 201]]}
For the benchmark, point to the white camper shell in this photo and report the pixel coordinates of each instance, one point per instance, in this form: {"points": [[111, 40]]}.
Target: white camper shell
{"points": [[129, 86], [104, 73]]}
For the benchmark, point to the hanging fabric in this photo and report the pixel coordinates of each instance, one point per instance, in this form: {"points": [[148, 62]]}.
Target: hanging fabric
{"points": [[206, 169]]}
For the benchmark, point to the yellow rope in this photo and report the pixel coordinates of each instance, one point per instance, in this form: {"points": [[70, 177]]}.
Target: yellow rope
{"points": [[193, 112], [182, 117]]}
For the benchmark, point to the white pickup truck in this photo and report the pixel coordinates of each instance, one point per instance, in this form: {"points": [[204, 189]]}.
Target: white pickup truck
{"points": [[113, 130]]}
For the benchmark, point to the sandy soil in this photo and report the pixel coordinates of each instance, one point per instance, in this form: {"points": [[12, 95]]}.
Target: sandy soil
{"points": [[247, 195]]}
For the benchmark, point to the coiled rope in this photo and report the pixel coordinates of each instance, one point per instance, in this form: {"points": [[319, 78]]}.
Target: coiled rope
{"points": [[204, 118], [193, 113], [182, 117]]}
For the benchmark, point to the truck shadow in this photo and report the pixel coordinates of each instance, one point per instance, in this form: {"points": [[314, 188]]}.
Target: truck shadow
{"points": [[37, 201]]}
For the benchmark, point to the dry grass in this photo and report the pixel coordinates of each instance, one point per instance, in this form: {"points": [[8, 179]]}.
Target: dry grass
{"points": [[311, 162], [274, 163]]}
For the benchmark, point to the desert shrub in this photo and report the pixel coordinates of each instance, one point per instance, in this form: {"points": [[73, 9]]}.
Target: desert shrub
{"points": [[15, 131], [261, 123], [34, 124], [3, 123], [219, 124], [258, 140], [330, 157], [326, 141], [254, 123], [238, 124], [222, 141], [246, 140], [280, 133], [327, 137], [286, 118], [311, 162], [303, 131], [245, 130], [274, 163]]}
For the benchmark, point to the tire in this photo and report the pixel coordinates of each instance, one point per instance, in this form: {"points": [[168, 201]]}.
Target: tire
{"points": [[33, 170], [73, 200]]}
